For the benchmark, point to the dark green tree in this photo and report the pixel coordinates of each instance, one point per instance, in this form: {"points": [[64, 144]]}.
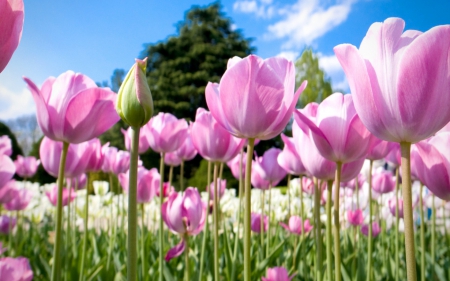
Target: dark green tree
{"points": [[179, 68], [319, 85]]}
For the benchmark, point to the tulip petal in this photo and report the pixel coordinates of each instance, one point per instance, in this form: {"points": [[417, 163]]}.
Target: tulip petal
{"points": [[176, 251], [7, 169]]}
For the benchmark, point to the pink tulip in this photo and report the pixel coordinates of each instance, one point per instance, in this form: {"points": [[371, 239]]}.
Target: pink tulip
{"points": [[11, 25], [172, 159], [183, 214], [187, 150], [433, 165], [166, 132], [5, 146], [76, 161], [20, 201], [15, 269], [295, 225], [71, 108], [336, 130], [315, 163], [143, 139], [355, 217], [7, 192], [26, 167], [307, 185], [121, 163], [289, 158], [211, 140], [147, 184], [221, 186], [167, 191], [379, 149], [52, 195], [277, 274], [272, 171], [392, 206], [257, 177], [7, 223], [394, 156], [375, 229], [383, 182], [95, 161], [352, 184], [234, 165], [7, 169], [77, 182], [256, 223], [399, 79], [255, 98]]}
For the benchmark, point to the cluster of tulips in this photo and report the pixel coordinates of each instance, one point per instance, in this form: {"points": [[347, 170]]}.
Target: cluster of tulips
{"points": [[400, 95]]}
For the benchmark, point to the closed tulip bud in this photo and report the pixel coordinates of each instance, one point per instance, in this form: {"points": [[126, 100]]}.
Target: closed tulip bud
{"points": [[135, 103]]}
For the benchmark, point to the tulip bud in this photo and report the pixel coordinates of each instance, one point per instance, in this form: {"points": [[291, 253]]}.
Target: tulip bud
{"points": [[135, 103]]}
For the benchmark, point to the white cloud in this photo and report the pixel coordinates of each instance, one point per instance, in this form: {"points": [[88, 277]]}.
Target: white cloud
{"points": [[15, 104], [289, 55], [329, 63], [307, 20], [262, 9]]}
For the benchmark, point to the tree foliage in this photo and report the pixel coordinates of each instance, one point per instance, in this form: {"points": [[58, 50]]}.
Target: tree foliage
{"points": [[319, 86], [179, 68]]}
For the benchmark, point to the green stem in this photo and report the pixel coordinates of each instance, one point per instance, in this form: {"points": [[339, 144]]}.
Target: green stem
{"points": [[144, 271], [328, 232], [216, 223], [408, 211], [337, 238], [433, 234], [111, 221], [132, 207], [261, 221], [236, 237], [289, 194], [161, 224], [85, 233], [187, 270], [56, 269], [170, 175], [268, 221], [397, 222], [206, 228], [317, 230], [248, 211], [369, 237], [182, 175], [422, 236], [301, 207]]}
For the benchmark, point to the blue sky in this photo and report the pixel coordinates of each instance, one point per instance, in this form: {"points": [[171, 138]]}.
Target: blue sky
{"points": [[95, 37]]}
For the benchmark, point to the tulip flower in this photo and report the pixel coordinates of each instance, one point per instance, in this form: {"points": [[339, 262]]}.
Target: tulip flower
{"points": [[167, 133], [78, 183], [20, 201], [95, 161], [15, 269], [256, 223], [295, 225], [26, 167], [7, 192], [7, 169], [6, 224], [257, 177], [221, 186], [167, 190], [52, 195], [101, 188], [289, 158], [172, 159], [187, 150], [394, 157], [355, 217], [392, 207], [5, 145], [393, 102], [185, 215], [143, 139], [277, 274], [147, 184], [352, 183], [11, 25], [383, 182], [272, 171], [234, 165], [375, 229]]}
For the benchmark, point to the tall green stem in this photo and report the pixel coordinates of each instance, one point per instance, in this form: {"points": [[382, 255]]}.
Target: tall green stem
{"points": [[317, 230], [236, 237], [170, 175], [248, 211], [397, 222], [261, 221], [85, 229], [132, 207], [433, 234], [161, 224], [288, 187], [187, 270], [369, 237], [301, 207], [268, 220], [337, 237], [56, 269], [328, 232], [205, 231], [182, 175], [216, 223], [408, 211], [422, 236], [144, 270], [111, 221]]}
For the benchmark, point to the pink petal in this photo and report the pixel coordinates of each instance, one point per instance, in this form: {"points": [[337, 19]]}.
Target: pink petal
{"points": [[11, 25], [176, 251]]}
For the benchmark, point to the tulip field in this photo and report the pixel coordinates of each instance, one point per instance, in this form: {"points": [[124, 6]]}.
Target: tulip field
{"points": [[367, 173]]}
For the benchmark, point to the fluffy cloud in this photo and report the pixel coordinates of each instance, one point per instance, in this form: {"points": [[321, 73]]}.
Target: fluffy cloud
{"points": [[15, 104], [307, 20], [262, 9], [333, 69], [289, 55]]}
